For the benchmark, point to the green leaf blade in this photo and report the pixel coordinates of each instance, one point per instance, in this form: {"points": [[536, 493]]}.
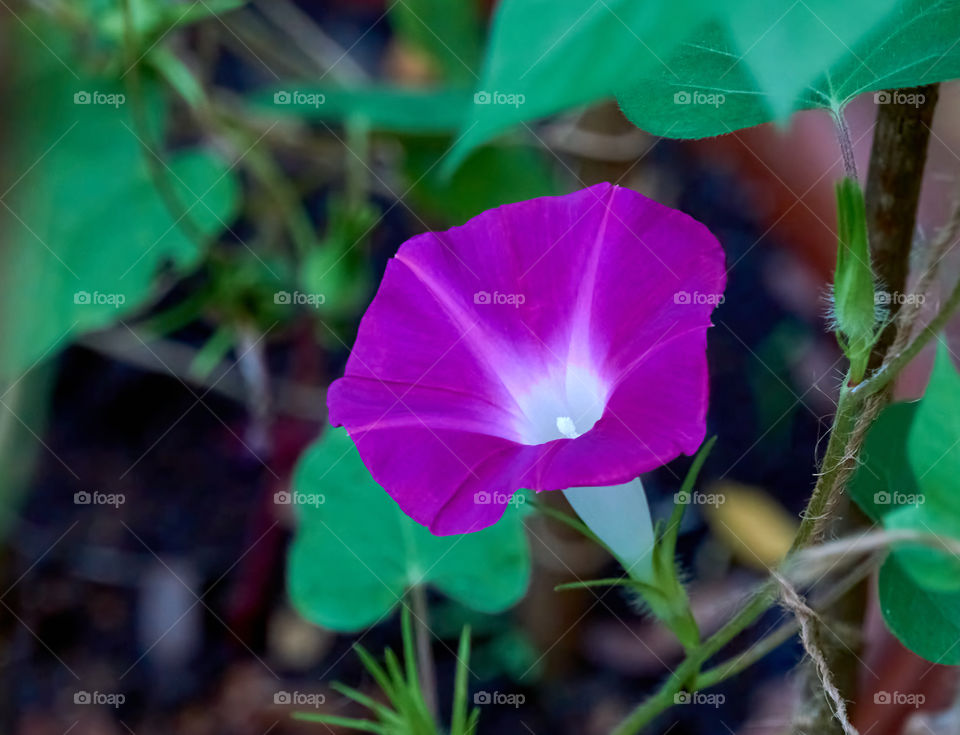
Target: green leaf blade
{"points": [[356, 553]]}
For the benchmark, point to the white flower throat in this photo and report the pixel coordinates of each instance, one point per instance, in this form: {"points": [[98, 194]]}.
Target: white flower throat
{"points": [[564, 404]]}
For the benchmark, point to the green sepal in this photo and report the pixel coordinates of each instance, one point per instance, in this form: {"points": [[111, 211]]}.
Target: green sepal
{"points": [[667, 597]]}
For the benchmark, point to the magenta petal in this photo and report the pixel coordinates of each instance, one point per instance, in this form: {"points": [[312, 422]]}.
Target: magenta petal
{"points": [[553, 343]]}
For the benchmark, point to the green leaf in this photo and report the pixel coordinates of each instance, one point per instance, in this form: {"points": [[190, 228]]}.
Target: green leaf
{"points": [[884, 479], [924, 617], [932, 568], [356, 553], [933, 449], [543, 57], [927, 622], [390, 109], [333, 270], [899, 484], [154, 18], [85, 227], [447, 32], [817, 55], [761, 57], [933, 446], [490, 177]]}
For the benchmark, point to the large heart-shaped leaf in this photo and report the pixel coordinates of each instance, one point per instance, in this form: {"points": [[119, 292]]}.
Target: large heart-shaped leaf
{"points": [[927, 622], [933, 449], [933, 446], [356, 553], [910, 460], [897, 485], [818, 55], [544, 56], [932, 568]]}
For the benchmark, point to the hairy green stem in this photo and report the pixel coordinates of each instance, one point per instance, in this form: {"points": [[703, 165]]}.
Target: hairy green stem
{"points": [[839, 462], [895, 363], [760, 601], [835, 470], [846, 144]]}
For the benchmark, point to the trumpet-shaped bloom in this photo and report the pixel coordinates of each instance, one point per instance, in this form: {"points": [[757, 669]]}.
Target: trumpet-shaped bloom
{"points": [[550, 344]]}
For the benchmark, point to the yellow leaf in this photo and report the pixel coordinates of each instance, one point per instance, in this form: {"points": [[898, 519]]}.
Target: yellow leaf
{"points": [[753, 525]]}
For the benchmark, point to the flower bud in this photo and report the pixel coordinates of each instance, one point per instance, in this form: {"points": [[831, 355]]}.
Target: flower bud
{"points": [[853, 288]]}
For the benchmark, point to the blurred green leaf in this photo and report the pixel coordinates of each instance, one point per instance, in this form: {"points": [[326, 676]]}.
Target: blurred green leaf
{"points": [[390, 109], [543, 57], [491, 176], [818, 55], [152, 18], [547, 57], [85, 226], [501, 646], [335, 270], [511, 654], [356, 553], [448, 32]]}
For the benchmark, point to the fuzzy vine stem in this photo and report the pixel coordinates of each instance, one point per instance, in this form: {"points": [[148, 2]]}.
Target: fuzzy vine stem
{"points": [[836, 468], [885, 375], [849, 427], [892, 193], [846, 144], [839, 462]]}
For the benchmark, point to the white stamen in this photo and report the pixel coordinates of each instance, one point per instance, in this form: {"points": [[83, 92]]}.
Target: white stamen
{"points": [[566, 427]]}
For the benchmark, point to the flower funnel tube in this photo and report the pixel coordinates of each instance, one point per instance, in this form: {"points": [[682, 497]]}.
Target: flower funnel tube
{"points": [[620, 517], [550, 344]]}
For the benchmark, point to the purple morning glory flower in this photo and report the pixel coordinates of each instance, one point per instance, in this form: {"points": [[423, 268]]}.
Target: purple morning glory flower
{"points": [[550, 344]]}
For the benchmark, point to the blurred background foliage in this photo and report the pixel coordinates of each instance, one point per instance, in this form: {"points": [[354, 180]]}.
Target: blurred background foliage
{"points": [[199, 199]]}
